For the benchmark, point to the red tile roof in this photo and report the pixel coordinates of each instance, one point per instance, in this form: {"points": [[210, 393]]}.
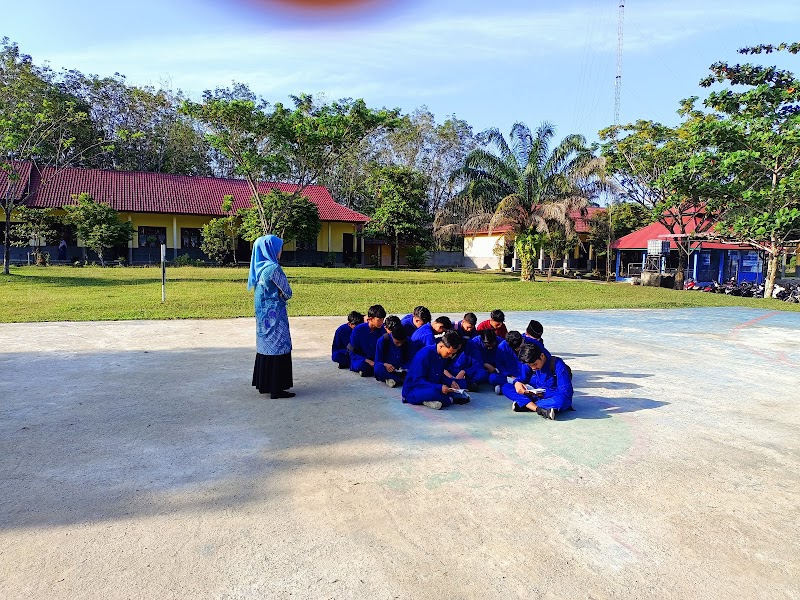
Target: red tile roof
{"points": [[581, 222], [134, 191], [15, 189], [637, 240]]}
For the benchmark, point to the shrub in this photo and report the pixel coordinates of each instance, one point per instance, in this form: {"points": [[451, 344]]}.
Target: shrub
{"points": [[184, 260], [416, 257]]}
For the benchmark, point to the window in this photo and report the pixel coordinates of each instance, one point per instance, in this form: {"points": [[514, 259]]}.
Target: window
{"points": [[191, 238], [152, 236], [306, 244]]}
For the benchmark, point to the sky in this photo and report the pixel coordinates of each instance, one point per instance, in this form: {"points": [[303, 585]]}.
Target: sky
{"points": [[490, 63]]}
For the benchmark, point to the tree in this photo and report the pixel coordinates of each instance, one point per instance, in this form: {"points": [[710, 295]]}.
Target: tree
{"points": [[290, 216], [98, 225], [218, 239], [298, 145], [144, 123], [525, 186], [625, 218], [660, 168], [754, 136], [400, 213], [40, 125], [35, 228]]}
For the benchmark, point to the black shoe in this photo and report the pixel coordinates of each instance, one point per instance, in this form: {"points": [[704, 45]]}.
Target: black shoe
{"points": [[366, 374], [343, 366], [472, 387], [460, 399], [517, 408], [283, 394], [547, 413]]}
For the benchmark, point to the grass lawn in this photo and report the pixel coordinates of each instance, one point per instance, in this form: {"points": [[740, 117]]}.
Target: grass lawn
{"points": [[97, 294]]}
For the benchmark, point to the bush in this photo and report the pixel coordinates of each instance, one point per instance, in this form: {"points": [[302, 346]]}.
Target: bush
{"points": [[416, 257], [184, 260], [330, 260]]}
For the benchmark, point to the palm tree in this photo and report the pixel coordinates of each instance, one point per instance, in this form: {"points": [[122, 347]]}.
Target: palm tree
{"points": [[525, 186]]}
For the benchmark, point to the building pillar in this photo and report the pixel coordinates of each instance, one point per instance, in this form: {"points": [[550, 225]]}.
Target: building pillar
{"points": [[618, 263], [541, 258], [329, 237], [175, 237], [130, 245], [721, 272], [175, 242], [694, 269]]}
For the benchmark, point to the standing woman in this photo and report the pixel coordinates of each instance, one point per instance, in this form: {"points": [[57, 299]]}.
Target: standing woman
{"points": [[273, 369]]}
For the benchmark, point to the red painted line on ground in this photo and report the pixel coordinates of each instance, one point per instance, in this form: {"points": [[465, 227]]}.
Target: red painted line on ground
{"points": [[752, 322]]}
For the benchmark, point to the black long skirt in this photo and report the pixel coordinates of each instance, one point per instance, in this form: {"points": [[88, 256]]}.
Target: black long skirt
{"points": [[273, 374]]}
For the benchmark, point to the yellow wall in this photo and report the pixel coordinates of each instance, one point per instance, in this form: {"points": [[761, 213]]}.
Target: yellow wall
{"points": [[196, 222], [336, 230]]}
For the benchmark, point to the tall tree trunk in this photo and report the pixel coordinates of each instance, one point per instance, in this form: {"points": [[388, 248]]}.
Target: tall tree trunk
{"points": [[680, 276], [772, 271]]}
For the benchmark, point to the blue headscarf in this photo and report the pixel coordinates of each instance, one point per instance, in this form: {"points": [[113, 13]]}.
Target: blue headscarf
{"points": [[265, 253]]}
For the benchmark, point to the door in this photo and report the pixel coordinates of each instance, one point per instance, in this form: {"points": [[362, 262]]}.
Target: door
{"points": [[347, 248]]}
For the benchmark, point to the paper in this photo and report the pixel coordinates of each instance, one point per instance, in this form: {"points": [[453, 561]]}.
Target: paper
{"points": [[535, 390]]}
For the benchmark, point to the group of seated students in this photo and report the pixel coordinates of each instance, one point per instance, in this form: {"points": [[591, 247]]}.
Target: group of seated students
{"points": [[438, 362]]}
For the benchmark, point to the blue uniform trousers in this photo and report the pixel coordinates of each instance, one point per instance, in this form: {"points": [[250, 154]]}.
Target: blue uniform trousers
{"points": [[342, 357], [522, 399], [427, 392], [381, 374]]}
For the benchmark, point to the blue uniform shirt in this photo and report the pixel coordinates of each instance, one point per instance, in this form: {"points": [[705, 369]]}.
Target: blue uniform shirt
{"points": [[425, 335], [398, 356], [340, 339], [426, 369], [363, 341]]}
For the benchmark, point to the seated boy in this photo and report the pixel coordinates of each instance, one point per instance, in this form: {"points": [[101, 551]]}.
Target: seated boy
{"points": [[466, 326], [495, 360], [393, 353], [426, 334], [416, 319], [339, 352], [496, 322], [363, 340], [551, 379], [533, 332], [460, 368], [426, 383]]}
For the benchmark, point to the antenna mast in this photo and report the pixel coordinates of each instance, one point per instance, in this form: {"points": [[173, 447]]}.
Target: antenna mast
{"points": [[618, 79], [617, 90]]}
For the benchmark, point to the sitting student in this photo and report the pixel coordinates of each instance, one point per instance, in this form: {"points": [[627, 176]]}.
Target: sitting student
{"points": [[495, 322], [339, 352], [426, 334], [393, 353], [466, 326], [416, 319], [514, 340], [363, 340], [495, 360], [551, 375], [533, 332], [460, 368], [426, 382]]}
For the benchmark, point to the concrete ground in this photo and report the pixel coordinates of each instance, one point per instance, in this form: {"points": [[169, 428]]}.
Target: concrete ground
{"points": [[136, 461]]}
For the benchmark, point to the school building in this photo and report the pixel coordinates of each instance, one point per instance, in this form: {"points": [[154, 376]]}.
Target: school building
{"points": [[172, 209], [495, 250], [709, 261]]}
